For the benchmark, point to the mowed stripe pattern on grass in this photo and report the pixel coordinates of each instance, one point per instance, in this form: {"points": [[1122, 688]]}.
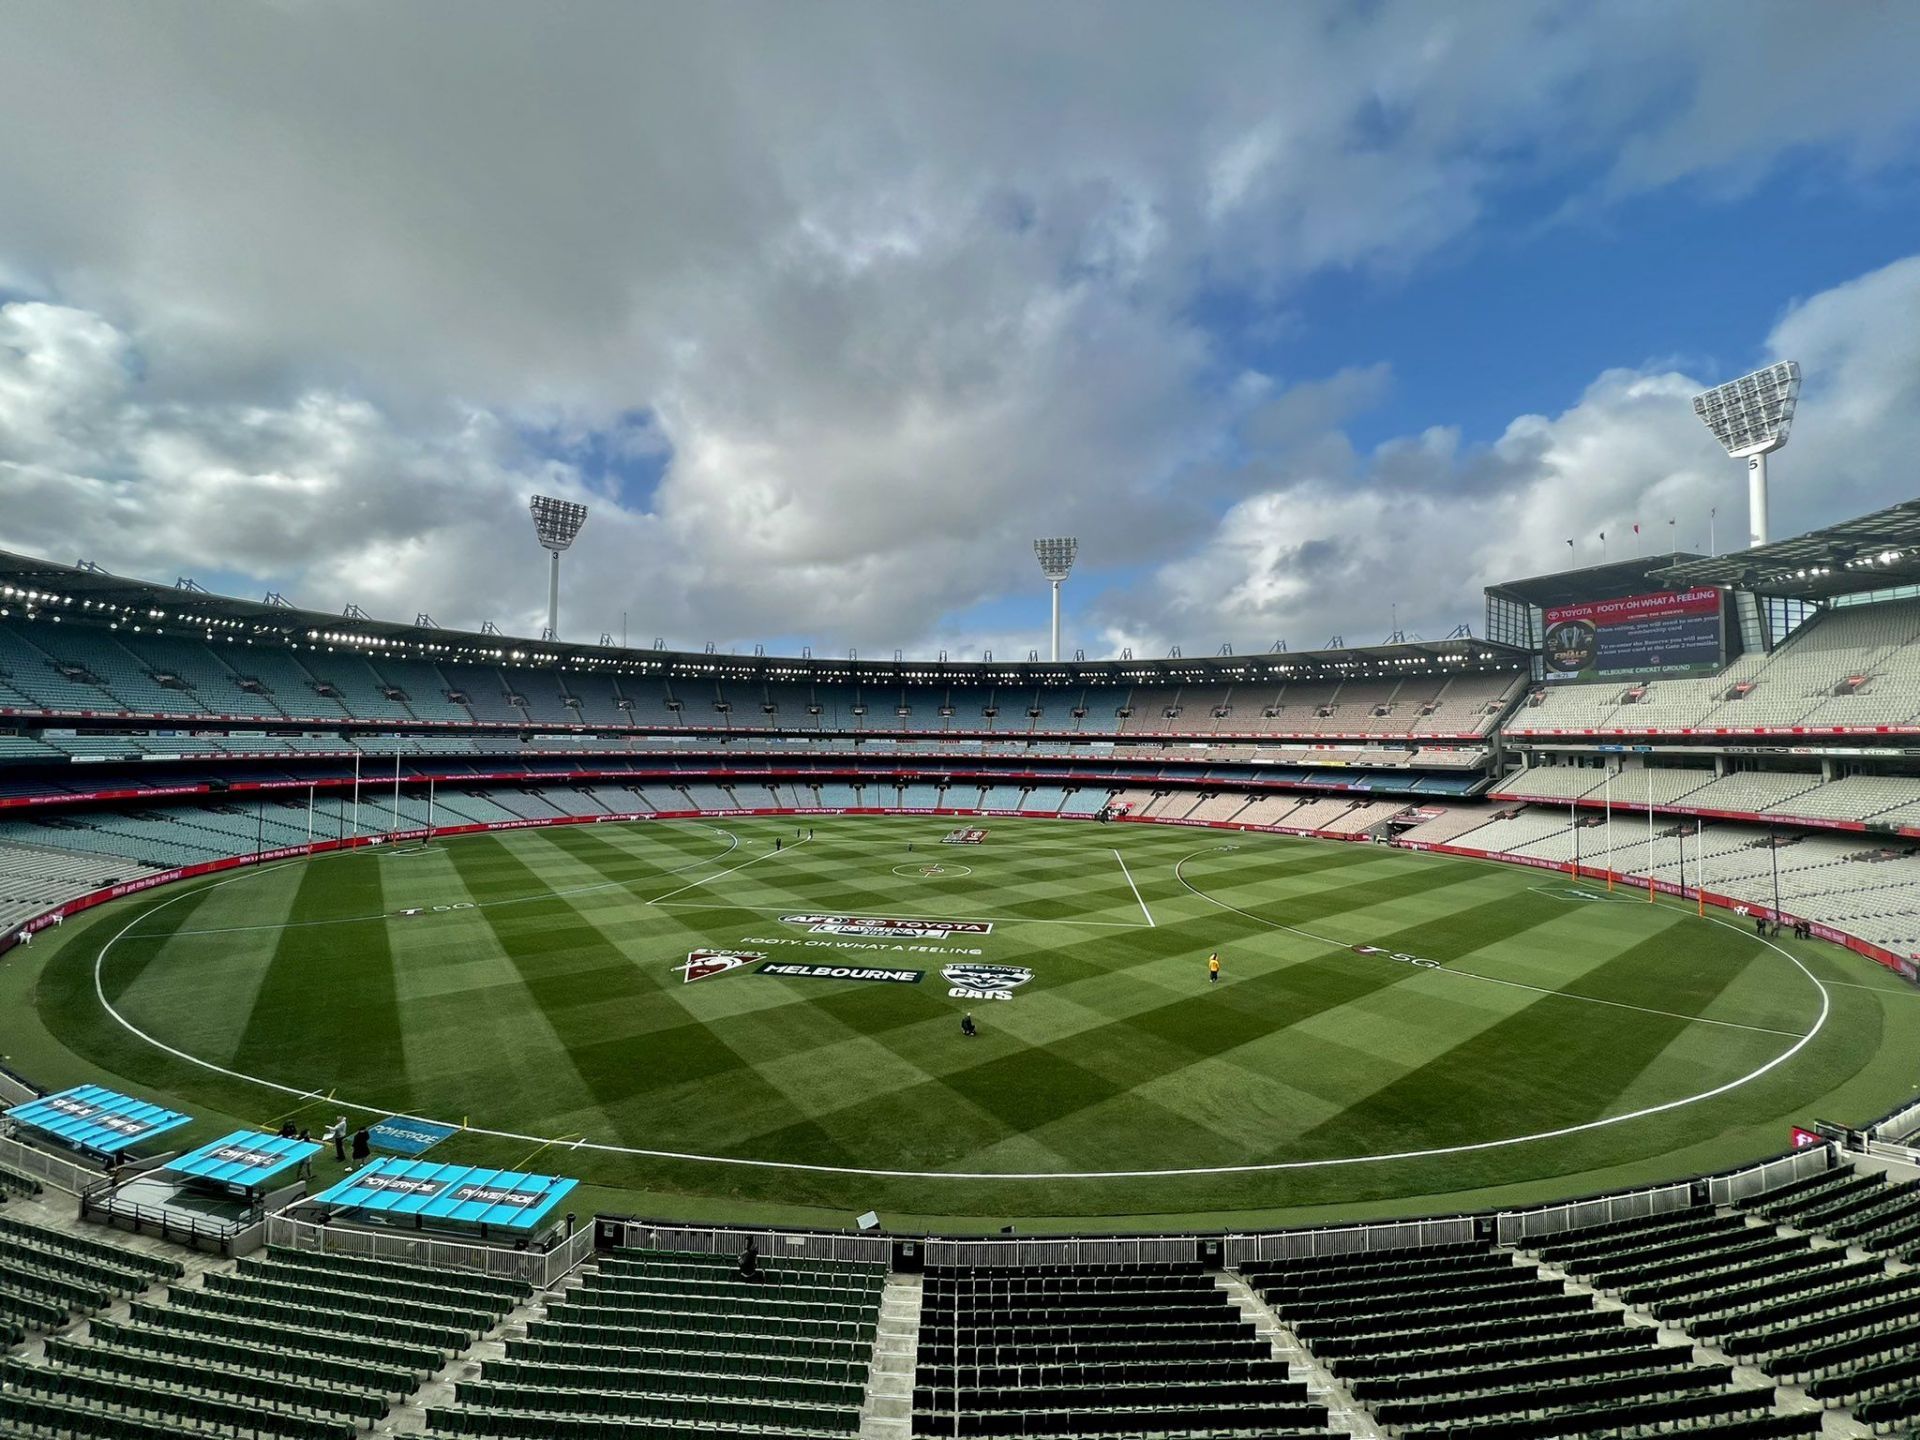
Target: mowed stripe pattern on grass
{"points": [[543, 997]]}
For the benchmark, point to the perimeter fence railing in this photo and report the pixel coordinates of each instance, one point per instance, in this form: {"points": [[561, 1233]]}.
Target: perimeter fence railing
{"points": [[15, 1089], [1065, 1250], [1796, 1165], [621, 1232], [543, 1269], [1522, 1227], [60, 1174], [1348, 1239], [1902, 1124], [1515, 1227]]}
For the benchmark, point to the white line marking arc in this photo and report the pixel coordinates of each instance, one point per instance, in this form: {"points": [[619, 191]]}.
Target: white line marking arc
{"points": [[1266, 1167]]}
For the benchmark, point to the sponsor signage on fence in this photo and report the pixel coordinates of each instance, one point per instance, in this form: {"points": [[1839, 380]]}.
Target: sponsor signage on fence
{"points": [[888, 927], [974, 980], [784, 970], [1803, 1138]]}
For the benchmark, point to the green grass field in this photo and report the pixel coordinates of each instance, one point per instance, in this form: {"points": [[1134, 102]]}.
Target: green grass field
{"points": [[535, 995]]}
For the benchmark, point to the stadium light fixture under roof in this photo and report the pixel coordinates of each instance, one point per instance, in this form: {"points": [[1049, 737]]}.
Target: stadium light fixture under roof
{"points": [[1751, 417], [555, 524], [1056, 558]]}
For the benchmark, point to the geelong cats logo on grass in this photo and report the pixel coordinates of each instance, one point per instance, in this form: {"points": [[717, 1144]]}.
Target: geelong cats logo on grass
{"points": [[702, 963], [977, 980]]}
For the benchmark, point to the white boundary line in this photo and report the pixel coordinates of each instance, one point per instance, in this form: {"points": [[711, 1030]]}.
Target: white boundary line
{"points": [[1133, 887], [1268, 1167]]}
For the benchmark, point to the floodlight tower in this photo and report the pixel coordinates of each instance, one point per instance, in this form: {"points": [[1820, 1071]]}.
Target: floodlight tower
{"points": [[1056, 563], [1751, 417], [556, 522]]}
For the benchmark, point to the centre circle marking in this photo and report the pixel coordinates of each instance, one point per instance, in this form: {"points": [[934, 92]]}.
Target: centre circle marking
{"points": [[932, 870]]}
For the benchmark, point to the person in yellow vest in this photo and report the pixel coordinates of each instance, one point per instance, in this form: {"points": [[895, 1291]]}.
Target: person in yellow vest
{"points": [[1213, 969]]}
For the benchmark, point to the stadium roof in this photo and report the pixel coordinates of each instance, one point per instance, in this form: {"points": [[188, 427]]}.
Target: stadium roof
{"points": [[423, 1190], [89, 1117], [1593, 582], [88, 594], [1875, 552]]}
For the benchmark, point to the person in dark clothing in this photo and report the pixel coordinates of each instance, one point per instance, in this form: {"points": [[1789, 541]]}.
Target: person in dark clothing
{"points": [[967, 1027], [1759, 925], [286, 1130], [362, 1144], [750, 1262]]}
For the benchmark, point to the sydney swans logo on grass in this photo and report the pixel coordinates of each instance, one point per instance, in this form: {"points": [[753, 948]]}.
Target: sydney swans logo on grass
{"points": [[979, 980], [702, 963]]}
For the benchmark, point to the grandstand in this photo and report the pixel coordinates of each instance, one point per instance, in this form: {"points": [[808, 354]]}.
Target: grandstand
{"points": [[132, 754]]}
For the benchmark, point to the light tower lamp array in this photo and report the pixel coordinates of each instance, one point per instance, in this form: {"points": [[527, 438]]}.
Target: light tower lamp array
{"points": [[1751, 417], [1056, 563], [555, 522]]}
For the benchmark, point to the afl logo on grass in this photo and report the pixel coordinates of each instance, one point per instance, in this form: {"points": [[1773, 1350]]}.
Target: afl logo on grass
{"points": [[702, 963], [975, 980]]}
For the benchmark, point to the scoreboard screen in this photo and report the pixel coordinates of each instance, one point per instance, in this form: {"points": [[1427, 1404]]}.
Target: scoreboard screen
{"points": [[1637, 637]]}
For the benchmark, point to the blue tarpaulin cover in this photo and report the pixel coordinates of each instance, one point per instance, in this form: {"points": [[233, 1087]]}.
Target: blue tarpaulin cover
{"points": [[89, 1117], [246, 1159], [391, 1187]]}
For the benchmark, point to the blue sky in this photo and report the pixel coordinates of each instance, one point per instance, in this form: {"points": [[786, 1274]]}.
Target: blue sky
{"points": [[1294, 314]]}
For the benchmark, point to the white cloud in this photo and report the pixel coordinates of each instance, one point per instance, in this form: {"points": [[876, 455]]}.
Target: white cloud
{"points": [[896, 287], [1325, 542]]}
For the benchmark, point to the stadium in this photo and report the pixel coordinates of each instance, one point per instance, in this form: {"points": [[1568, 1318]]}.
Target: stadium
{"points": [[1491, 943], [937, 1005]]}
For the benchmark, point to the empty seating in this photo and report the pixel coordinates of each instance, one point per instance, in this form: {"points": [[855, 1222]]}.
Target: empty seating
{"points": [[1089, 1350], [1470, 1340], [680, 1343]]}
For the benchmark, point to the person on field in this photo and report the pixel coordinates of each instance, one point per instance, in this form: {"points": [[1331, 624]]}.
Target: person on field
{"points": [[337, 1133], [967, 1027], [362, 1145], [1213, 969]]}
